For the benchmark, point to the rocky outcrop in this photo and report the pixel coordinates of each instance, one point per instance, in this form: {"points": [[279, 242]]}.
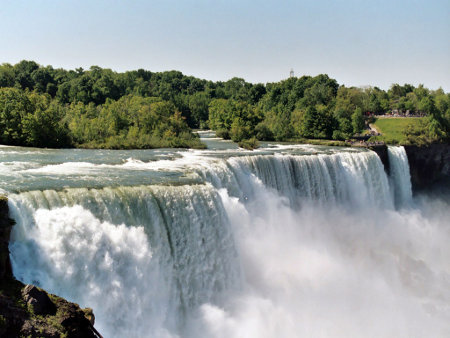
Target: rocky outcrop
{"points": [[5, 230], [38, 300], [382, 152], [28, 311], [429, 165]]}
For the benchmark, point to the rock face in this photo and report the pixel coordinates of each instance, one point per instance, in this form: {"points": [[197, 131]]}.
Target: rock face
{"points": [[28, 311], [56, 318], [5, 230], [38, 300], [429, 165], [382, 152]]}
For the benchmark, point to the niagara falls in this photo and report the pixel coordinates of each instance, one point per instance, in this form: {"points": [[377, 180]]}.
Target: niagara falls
{"points": [[225, 169], [284, 241]]}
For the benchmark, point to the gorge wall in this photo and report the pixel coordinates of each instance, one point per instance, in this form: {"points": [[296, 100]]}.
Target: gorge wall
{"points": [[429, 165]]}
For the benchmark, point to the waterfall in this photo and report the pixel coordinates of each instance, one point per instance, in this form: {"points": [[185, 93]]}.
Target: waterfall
{"points": [[400, 176], [353, 179], [262, 246], [133, 253]]}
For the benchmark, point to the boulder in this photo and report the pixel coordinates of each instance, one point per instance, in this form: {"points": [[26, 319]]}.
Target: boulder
{"points": [[39, 300]]}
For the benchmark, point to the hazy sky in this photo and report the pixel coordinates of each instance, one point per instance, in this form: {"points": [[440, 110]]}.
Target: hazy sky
{"points": [[357, 42]]}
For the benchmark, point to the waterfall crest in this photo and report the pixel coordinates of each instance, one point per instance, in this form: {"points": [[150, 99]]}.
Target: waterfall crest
{"points": [[354, 179]]}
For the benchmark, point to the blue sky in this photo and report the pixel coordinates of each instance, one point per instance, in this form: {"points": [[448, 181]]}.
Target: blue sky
{"points": [[358, 43]]}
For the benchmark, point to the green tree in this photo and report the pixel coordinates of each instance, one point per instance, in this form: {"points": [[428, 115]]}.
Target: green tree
{"points": [[357, 120], [198, 106]]}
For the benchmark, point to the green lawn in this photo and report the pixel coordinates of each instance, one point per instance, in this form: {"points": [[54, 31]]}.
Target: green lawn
{"points": [[393, 128]]}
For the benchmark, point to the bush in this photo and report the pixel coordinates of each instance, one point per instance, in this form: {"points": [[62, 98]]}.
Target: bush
{"points": [[249, 144], [263, 132], [223, 133]]}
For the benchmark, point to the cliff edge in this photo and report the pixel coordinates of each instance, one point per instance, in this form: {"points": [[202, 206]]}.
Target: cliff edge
{"points": [[429, 165]]}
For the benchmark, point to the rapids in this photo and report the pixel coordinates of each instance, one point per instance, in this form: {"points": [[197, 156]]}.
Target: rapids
{"points": [[287, 241]]}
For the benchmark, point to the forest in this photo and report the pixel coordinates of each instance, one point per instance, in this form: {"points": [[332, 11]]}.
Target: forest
{"points": [[42, 106]]}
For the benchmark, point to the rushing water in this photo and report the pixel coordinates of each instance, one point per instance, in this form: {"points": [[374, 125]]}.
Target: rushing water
{"points": [[287, 241]]}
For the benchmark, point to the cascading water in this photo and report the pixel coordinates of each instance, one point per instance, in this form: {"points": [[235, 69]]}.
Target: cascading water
{"points": [[400, 176], [174, 253], [270, 245], [339, 178]]}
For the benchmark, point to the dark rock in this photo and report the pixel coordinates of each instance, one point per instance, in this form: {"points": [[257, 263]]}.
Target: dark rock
{"points": [[382, 152], [16, 319], [39, 328], [5, 230], [429, 165], [39, 300], [12, 314], [89, 314], [74, 321]]}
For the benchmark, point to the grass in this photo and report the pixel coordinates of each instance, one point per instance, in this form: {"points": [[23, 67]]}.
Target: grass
{"points": [[318, 142], [393, 129]]}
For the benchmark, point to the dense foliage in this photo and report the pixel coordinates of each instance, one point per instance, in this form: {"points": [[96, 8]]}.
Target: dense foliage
{"points": [[43, 106]]}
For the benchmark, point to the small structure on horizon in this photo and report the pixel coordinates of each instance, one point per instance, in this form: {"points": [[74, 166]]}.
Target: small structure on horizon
{"points": [[291, 73]]}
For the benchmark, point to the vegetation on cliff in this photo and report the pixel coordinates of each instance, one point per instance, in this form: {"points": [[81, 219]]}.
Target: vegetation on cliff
{"points": [[42, 106]]}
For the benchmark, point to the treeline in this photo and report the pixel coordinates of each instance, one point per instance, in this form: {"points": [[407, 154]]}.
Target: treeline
{"points": [[43, 106]]}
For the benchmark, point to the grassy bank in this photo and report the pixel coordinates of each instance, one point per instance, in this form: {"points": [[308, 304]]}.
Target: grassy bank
{"points": [[320, 142], [393, 128]]}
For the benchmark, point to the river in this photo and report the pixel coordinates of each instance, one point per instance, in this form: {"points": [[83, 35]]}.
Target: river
{"points": [[285, 241]]}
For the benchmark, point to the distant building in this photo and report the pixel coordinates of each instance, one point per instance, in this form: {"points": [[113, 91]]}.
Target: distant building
{"points": [[291, 73]]}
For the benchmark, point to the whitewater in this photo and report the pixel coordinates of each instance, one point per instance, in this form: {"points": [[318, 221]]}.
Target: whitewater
{"points": [[287, 241]]}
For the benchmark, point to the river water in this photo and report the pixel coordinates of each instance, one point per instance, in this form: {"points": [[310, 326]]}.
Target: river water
{"points": [[285, 241]]}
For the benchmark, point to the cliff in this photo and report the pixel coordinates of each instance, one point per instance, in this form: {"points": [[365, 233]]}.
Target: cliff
{"points": [[429, 165], [5, 230], [382, 153], [28, 311]]}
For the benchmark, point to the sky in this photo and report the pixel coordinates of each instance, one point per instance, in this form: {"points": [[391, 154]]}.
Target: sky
{"points": [[359, 43]]}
